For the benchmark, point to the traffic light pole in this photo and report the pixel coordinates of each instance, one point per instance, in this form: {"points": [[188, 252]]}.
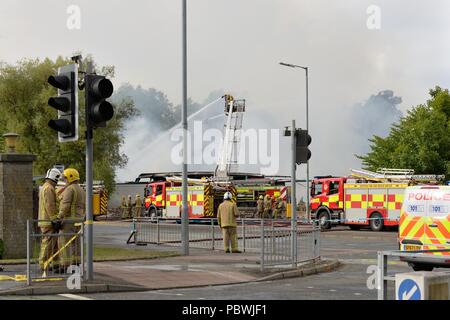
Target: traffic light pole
{"points": [[308, 191], [89, 216], [293, 198], [184, 191], [89, 177]]}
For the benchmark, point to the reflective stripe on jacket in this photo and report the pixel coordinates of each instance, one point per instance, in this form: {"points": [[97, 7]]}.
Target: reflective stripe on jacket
{"points": [[227, 214], [73, 202]]}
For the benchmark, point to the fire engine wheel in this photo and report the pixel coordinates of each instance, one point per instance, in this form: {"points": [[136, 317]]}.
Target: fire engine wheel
{"points": [[324, 220], [152, 213], [376, 222]]}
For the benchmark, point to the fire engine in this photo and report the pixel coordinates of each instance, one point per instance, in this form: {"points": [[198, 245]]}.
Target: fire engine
{"points": [[364, 199], [163, 193], [205, 192]]}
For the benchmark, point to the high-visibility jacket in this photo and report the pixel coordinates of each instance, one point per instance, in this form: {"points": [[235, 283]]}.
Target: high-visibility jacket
{"points": [[73, 202], [227, 214], [47, 204], [123, 204], [260, 205], [267, 203], [138, 202]]}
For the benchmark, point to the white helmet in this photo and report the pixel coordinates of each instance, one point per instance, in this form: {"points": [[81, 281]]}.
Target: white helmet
{"points": [[227, 195], [53, 174]]}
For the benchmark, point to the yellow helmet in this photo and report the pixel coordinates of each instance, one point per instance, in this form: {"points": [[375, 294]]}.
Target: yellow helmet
{"points": [[71, 175]]}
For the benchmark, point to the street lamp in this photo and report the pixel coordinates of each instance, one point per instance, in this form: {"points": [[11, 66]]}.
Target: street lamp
{"points": [[307, 129]]}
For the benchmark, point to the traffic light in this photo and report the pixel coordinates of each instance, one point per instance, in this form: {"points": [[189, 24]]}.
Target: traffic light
{"points": [[66, 81], [303, 141], [98, 110]]}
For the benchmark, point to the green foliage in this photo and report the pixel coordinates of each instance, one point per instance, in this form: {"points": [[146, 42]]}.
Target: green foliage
{"points": [[24, 93], [420, 141]]}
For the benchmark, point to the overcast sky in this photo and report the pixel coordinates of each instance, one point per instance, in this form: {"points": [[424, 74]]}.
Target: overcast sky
{"points": [[235, 45]]}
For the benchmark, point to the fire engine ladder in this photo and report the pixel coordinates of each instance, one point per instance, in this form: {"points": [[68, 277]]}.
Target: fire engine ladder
{"points": [[228, 158], [395, 175]]}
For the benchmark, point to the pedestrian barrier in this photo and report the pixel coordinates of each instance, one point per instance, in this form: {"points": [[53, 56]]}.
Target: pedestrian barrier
{"points": [[52, 254], [382, 268], [271, 239]]}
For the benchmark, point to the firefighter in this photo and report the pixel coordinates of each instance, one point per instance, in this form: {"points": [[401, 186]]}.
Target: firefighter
{"points": [[129, 207], [47, 219], [226, 217], [123, 207], [279, 208], [260, 207], [267, 207], [137, 206], [71, 214]]}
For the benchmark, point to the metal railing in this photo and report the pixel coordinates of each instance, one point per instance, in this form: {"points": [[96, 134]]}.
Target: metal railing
{"points": [[53, 254], [271, 239], [382, 267]]}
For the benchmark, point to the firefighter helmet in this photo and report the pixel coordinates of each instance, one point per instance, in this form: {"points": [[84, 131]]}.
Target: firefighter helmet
{"points": [[71, 175], [53, 174], [227, 195]]}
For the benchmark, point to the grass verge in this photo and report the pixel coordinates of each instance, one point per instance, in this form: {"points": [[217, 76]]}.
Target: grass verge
{"points": [[103, 253]]}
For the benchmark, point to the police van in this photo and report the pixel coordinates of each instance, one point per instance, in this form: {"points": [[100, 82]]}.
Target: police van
{"points": [[425, 225]]}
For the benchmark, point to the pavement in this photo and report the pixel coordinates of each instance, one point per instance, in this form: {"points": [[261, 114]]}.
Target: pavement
{"points": [[347, 255], [200, 268]]}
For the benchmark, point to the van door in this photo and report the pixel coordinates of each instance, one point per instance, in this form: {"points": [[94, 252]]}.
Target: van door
{"points": [[412, 219], [437, 223]]}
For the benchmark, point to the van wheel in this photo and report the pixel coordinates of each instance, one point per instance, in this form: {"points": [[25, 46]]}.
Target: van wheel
{"points": [[421, 267], [376, 222], [324, 220]]}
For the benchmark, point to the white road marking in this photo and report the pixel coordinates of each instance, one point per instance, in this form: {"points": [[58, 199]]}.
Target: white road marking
{"points": [[332, 290], [357, 294], [310, 287], [74, 296], [166, 293]]}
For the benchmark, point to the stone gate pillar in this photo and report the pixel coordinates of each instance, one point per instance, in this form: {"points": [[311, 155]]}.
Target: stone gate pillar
{"points": [[16, 202]]}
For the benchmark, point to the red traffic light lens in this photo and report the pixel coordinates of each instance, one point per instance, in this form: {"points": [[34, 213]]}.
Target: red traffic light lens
{"points": [[103, 88]]}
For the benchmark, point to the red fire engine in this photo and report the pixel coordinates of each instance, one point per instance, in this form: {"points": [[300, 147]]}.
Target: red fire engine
{"points": [[365, 199]]}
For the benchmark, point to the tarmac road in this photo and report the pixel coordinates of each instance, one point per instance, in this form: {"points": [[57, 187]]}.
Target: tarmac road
{"points": [[356, 250]]}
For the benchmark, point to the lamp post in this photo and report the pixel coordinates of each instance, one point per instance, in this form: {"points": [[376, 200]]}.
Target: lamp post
{"points": [[184, 188], [307, 129]]}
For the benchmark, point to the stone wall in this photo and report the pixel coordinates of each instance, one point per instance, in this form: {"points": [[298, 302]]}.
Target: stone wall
{"points": [[16, 202]]}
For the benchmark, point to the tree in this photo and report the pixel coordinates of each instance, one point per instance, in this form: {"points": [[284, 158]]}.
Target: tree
{"points": [[419, 141], [24, 93]]}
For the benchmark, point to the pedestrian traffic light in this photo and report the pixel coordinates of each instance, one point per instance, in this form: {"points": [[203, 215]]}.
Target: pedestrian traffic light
{"points": [[303, 141], [66, 81], [98, 110]]}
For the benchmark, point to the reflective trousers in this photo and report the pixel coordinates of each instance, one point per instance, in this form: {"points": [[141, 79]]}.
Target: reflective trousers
{"points": [[137, 212], [49, 246], [124, 212], [230, 235], [70, 252]]}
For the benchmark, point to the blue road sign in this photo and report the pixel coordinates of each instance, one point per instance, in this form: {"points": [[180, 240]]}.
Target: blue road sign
{"points": [[408, 290]]}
